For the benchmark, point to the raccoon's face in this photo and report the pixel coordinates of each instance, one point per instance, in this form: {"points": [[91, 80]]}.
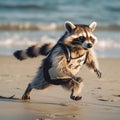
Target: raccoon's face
{"points": [[80, 36]]}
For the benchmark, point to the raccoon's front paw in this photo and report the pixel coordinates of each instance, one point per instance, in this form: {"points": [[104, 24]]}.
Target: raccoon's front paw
{"points": [[25, 97], [99, 74], [76, 98]]}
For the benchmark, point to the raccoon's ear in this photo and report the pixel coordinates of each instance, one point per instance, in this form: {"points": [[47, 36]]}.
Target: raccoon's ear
{"points": [[93, 26], [69, 26]]}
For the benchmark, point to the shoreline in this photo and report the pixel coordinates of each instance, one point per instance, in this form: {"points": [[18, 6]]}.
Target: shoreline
{"points": [[101, 97]]}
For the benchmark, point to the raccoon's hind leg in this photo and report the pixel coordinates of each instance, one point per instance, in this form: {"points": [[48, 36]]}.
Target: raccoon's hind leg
{"points": [[35, 84], [26, 95]]}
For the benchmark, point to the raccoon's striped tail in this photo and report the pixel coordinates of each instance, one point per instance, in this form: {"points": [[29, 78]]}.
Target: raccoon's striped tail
{"points": [[33, 51]]}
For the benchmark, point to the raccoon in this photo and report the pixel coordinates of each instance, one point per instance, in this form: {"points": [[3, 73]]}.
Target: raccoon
{"points": [[64, 59]]}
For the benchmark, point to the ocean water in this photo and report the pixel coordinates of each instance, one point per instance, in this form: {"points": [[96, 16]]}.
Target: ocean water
{"points": [[26, 22]]}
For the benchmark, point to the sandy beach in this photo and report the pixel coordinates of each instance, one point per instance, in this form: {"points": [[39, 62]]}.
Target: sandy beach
{"points": [[101, 97]]}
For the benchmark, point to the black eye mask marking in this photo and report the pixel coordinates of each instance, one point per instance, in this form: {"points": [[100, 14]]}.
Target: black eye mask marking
{"points": [[92, 39], [82, 38], [78, 40]]}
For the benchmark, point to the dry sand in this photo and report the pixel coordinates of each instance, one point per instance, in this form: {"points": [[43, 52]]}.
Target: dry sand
{"points": [[101, 97]]}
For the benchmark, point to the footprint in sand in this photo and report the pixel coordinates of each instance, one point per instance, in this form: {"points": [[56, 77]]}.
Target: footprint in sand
{"points": [[116, 95]]}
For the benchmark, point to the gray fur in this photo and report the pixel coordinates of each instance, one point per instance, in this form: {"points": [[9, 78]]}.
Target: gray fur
{"points": [[74, 37]]}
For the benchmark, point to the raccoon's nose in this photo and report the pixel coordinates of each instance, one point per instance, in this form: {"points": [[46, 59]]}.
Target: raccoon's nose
{"points": [[89, 45]]}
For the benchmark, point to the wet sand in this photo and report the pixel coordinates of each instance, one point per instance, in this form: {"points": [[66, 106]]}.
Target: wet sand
{"points": [[101, 97]]}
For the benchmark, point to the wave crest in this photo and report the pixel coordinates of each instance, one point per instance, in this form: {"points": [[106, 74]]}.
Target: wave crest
{"points": [[48, 27], [107, 44], [28, 26], [17, 41], [111, 27]]}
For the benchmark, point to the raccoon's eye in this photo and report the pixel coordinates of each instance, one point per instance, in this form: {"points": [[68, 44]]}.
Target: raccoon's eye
{"points": [[82, 38], [92, 39]]}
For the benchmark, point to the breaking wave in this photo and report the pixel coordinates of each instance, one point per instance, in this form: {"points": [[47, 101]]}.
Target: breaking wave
{"points": [[28, 26], [107, 44], [48, 27], [18, 41], [104, 48]]}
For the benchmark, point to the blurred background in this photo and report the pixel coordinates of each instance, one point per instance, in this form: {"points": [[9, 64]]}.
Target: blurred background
{"points": [[26, 22]]}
